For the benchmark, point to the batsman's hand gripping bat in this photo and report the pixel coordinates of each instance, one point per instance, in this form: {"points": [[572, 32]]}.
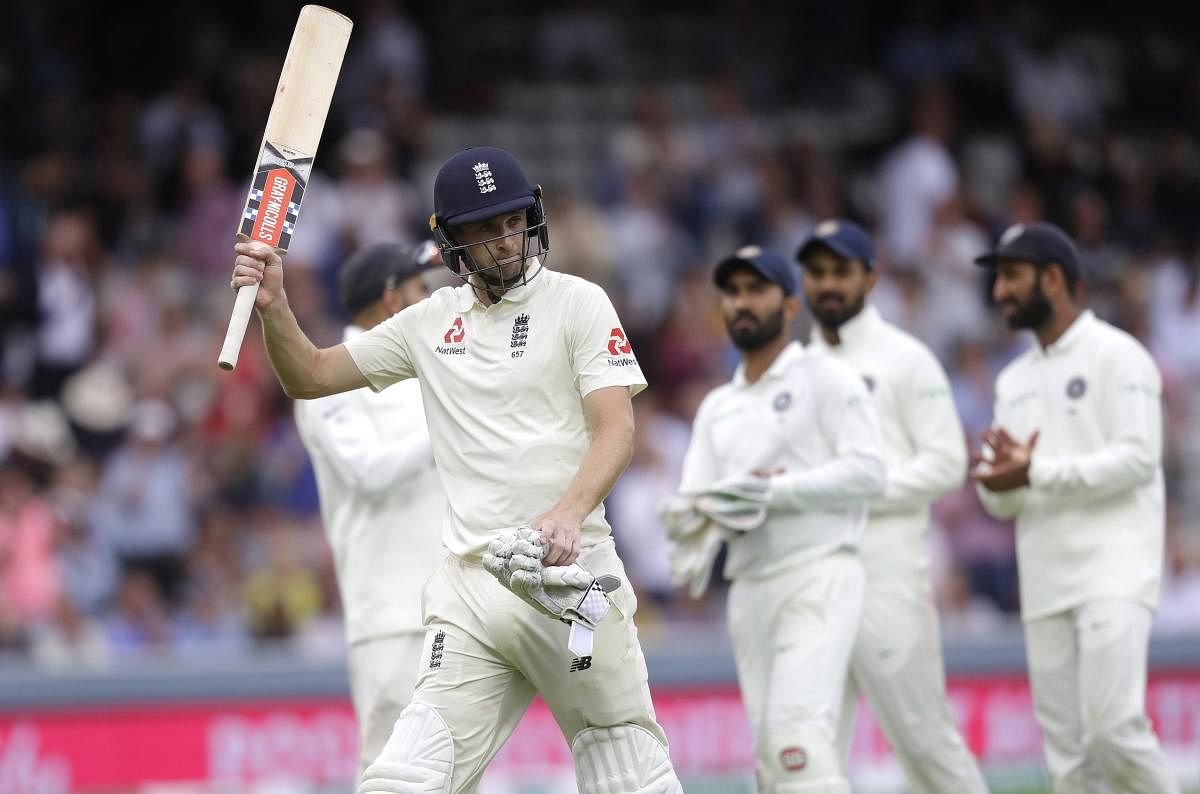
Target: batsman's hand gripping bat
{"points": [[289, 145]]}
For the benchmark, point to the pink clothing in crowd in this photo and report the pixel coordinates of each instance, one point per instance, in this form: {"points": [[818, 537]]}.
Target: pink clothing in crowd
{"points": [[29, 581]]}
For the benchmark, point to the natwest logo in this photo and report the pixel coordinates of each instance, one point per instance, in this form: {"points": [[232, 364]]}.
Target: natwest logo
{"points": [[456, 333], [618, 345], [453, 339]]}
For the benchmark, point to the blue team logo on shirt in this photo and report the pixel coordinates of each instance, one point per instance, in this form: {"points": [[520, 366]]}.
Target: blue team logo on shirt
{"points": [[783, 401], [1076, 387], [867, 379]]}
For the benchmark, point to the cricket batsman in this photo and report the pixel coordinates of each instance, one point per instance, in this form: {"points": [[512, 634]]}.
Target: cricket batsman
{"points": [[1075, 454], [527, 378], [897, 658], [782, 463], [380, 495]]}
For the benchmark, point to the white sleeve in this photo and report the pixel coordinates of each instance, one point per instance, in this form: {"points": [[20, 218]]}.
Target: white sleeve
{"points": [[857, 471], [1005, 504], [939, 464], [700, 467], [1132, 402], [340, 427], [600, 352], [382, 353]]}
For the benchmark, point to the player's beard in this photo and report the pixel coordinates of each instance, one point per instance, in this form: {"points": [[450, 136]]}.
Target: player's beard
{"points": [[1033, 313], [832, 315], [757, 335]]}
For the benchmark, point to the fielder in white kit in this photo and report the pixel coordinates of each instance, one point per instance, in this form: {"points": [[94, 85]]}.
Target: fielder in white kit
{"points": [[793, 436], [381, 499], [897, 657], [1075, 454], [527, 379]]}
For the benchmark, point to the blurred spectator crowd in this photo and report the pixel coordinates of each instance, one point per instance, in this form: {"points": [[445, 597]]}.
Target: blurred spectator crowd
{"points": [[152, 503]]}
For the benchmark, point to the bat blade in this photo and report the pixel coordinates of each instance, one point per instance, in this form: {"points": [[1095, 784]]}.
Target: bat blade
{"points": [[289, 147], [273, 205]]}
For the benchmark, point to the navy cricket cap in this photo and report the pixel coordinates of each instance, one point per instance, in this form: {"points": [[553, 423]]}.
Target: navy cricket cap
{"points": [[768, 264], [845, 238], [373, 268], [1039, 243], [477, 183]]}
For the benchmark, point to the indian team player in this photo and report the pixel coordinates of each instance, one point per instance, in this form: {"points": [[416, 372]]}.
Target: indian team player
{"points": [[897, 657], [1075, 454], [795, 435], [381, 498], [527, 379]]}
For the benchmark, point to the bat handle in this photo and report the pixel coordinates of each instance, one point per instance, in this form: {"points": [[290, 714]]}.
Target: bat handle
{"points": [[243, 306]]}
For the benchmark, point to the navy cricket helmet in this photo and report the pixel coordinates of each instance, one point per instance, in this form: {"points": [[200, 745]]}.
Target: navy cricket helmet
{"points": [[478, 183]]}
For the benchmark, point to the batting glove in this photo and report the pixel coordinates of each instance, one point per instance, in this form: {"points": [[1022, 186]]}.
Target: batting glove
{"points": [[569, 593]]}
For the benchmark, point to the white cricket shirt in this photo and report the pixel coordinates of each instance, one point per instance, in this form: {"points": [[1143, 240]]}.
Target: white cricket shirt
{"points": [[381, 502], [504, 388], [810, 415], [1090, 525], [923, 442]]}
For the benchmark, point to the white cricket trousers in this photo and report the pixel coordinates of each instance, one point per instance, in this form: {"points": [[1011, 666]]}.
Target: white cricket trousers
{"points": [[897, 664], [792, 634], [1087, 669], [383, 675], [487, 653]]}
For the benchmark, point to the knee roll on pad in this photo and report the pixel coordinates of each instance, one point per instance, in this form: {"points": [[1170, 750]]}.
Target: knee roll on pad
{"points": [[800, 760], [417, 759], [623, 759]]}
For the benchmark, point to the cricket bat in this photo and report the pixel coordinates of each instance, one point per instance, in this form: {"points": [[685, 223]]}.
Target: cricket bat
{"points": [[289, 146]]}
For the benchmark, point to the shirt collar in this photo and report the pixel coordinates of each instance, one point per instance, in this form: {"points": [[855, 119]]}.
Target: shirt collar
{"points": [[778, 367], [467, 299], [856, 331], [1075, 331], [351, 331]]}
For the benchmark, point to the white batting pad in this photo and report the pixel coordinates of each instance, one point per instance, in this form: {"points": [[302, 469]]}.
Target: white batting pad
{"points": [[623, 759], [418, 758]]}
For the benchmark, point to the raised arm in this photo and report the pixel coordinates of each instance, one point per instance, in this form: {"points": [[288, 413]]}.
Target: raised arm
{"points": [[304, 370]]}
